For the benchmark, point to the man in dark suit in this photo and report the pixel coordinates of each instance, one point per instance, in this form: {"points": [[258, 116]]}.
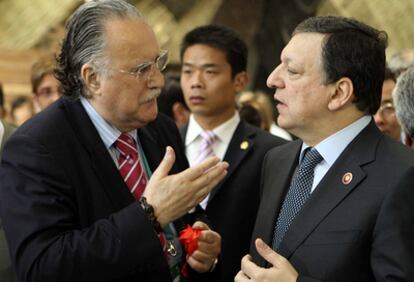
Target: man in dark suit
{"points": [[356, 221], [214, 61], [64, 198]]}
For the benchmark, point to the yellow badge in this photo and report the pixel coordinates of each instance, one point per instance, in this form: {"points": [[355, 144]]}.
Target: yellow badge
{"points": [[244, 145], [347, 178]]}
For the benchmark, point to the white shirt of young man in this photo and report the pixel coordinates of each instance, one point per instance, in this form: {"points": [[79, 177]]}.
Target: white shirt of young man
{"points": [[224, 132]]}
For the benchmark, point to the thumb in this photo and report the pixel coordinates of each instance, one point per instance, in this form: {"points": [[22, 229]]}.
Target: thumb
{"points": [[267, 253], [166, 164]]}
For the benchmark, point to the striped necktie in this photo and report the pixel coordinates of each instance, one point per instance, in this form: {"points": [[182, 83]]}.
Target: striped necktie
{"points": [[130, 165]]}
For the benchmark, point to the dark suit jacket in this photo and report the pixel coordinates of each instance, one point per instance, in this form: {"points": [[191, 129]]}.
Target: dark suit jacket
{"points": [[233, 203], [362, 231], [8, 131], [67, 212], [6, 272]]}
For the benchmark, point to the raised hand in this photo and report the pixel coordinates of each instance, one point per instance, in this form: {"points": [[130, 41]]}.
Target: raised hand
{"points": [[173, 195]]}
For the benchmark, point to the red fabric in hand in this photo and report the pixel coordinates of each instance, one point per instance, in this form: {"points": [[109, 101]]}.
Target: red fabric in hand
{"points": [[189, 239]]}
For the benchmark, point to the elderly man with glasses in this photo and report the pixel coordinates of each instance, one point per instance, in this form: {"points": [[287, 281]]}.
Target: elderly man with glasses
{"points": [[404, 104], [95, 187]]}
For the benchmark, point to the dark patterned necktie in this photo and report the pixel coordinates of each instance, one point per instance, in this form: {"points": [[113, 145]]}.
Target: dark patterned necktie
{"points": [[297, 195]]}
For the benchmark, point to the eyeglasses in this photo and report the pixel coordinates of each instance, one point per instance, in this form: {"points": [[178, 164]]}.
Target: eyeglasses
{"points": [[387, 108], [145, 70]]}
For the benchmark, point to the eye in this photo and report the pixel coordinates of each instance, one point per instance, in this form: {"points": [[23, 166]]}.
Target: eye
{"points": [[144, 68], [211, 71], [292, 71], [186, 71]]}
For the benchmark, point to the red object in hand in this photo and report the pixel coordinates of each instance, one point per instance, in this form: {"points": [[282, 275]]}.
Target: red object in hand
{"points": [[189, 239]]}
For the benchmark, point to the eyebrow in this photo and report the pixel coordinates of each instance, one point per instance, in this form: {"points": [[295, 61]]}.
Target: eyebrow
{"points": [[204, 66]]}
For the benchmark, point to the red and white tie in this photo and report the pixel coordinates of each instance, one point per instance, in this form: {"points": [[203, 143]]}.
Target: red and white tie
{"points": [[130, 166]]}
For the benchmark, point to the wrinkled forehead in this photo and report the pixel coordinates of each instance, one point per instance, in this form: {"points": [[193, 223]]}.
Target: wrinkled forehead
{"points": [[130, 39]]}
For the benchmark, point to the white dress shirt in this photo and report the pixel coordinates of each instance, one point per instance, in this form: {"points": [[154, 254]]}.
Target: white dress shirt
{"points": [[332, 147], [224, 132]]}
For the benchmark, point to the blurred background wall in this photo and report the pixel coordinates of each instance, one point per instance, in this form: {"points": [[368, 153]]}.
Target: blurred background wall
{"points": [[30, 28]]}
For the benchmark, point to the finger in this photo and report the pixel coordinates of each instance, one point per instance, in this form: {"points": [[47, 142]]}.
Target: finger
{"points": [[202, 257], [201, 225], [198, 265], [199, 169], [209, 237], [249, 267], [267, 253], [241, 277], [209, 180], [166, 164]]}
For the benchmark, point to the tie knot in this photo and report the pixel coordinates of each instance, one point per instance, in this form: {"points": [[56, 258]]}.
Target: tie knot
{"points": [[208, 136], [126, 145], [310, 159]]}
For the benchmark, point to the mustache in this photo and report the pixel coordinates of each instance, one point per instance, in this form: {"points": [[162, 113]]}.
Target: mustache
{"points": [[154, 93]]}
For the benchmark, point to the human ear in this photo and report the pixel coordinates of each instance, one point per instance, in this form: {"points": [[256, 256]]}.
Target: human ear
{"points": [[342, 94], [90, 79], [240, 81]]}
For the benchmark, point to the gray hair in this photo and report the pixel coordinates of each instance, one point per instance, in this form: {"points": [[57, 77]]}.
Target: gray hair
{"points": [[85, 42], [403, 96]]}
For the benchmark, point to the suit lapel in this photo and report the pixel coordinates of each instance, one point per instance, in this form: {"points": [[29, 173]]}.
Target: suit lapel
{"points": [[332, 189], [240, 145], [100, 160], [276, 185], [148, 139], [279, 166]]}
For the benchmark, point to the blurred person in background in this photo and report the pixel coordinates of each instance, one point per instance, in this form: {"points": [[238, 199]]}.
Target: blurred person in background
{"points": [[385, 118], [404, 104], [6, 129], [6, 271], [45, 87], [171, 101], [263, 104], [21, 109]]}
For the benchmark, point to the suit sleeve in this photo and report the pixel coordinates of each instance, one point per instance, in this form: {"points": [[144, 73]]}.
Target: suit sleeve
{"points": [[39, 212], [392, 256]]}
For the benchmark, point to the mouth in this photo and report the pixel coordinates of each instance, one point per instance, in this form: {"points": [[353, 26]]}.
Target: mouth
{"points": [[197, 99], [154, 94]]}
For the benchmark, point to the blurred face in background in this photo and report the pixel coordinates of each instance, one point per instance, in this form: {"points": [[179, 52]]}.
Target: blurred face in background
{"points": [[385, 118], [47, 92]]}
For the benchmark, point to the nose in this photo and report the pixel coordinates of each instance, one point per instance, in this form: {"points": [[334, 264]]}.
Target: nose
{"points": [[274, 80], [156, 78], [378, 118], [196, 80]]}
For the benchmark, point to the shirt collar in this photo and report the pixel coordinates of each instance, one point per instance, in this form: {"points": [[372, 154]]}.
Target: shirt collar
{"points": [[331, 147], [223, 132], [108, 133]]}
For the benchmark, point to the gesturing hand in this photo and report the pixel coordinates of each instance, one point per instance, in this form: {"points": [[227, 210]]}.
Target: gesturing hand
{"points": [[173, 195]]}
